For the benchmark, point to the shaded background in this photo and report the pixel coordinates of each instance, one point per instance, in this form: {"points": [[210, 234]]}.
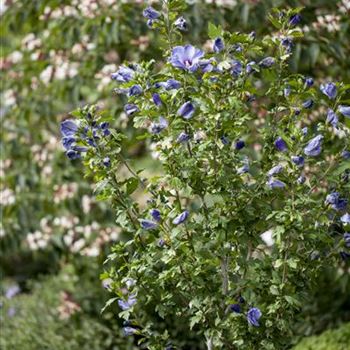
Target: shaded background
{"points": [[54, 235]]}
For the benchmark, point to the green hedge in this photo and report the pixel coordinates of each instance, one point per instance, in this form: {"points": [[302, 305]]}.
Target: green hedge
{"points": [[38, 319], [337, 339]]}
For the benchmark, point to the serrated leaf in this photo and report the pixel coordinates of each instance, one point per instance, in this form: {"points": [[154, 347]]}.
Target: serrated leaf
{"points": [[213, 31]]}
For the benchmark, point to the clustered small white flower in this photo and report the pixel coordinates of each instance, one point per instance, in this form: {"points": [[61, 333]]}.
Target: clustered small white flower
{"points": [[88, 8], [64, 192], [8, 98], [149, 2], [7, 197], [104, 76], [344, 6], [3, 6], [67, 306], [4, 165], [52, 142], [41, 155], [66, 222], [47, 74], [83, 239], [60, 68], [40, 238], [142, 42], [329, 22], [85, 45], [58, 12], [108, 234], [78, 239], [78, 49], [66, 70], [86, 203], [221, 3], [30, 42], [37, 240], [15, 57]]}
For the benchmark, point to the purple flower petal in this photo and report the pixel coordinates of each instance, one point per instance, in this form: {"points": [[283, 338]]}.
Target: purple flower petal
{"points": [[150, 13], [130, 109], [218, 45], [123, 74], [267, 62], [155, 213], [298, 160], [275, 170], [313, 148], [148, 224], [183, 137], [280, 144], [186, 57], [181, 24], [330, 90], [344, 110], [181, 218], [345, 219], [275, 183], [69, 128], [253, 316], [332, 118], [186, 110]]}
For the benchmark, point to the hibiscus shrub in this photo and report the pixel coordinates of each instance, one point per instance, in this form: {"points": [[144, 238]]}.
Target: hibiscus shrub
{"points": [[249, 203]]}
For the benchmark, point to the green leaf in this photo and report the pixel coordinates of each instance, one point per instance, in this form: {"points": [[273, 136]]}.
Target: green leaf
{"points": [[195, 319], [293, 263], [213, 31], [132, 185], [245, 14], [76, 113], [274, 21], [296, 33], [108, 303], [278, 263], [292, 301], [345, 87], [274, 290], [142, 137], [314, 53], [341, 168], [100, 186], [347, 122]]}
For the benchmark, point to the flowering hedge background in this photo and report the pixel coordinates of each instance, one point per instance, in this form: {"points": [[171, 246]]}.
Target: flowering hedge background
{"points": [[55, 234]]}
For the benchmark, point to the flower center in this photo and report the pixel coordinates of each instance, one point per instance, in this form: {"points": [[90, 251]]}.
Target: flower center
{"points": [[188, 63]]}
